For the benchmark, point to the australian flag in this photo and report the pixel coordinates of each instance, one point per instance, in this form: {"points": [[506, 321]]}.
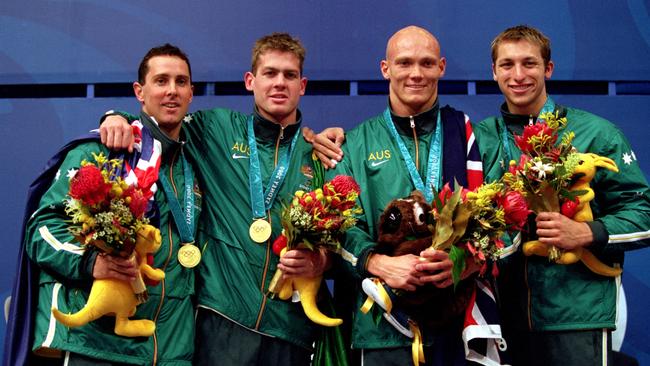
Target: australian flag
{"points": [[484, 343]]}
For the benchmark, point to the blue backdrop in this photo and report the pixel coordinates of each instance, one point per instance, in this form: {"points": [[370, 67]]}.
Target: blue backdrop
{"points": [[68, 51]]}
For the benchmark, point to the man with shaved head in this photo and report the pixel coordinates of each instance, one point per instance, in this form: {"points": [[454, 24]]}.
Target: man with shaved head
{"points": [[391, 155]]}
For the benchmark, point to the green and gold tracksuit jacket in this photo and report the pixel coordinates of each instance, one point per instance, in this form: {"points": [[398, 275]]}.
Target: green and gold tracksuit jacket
{"points": [[373, 158], [542, 296], [235, 272], [66, 275]]}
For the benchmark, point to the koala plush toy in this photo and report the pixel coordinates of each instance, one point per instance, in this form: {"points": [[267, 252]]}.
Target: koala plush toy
{"points": [[404, 228]]}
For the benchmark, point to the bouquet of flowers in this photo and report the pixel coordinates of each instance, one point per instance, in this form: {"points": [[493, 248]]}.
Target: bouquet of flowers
{"points": [[106, 212], [315, 220], [545, 169], [473, 222], [554, 177], [465, 224]]}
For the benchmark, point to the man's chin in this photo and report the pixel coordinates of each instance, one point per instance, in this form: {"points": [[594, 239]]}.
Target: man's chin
{"points": [[169, 120]]}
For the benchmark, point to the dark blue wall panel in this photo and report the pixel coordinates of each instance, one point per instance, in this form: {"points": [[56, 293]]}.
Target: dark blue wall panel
{"points": [[49, 41]]}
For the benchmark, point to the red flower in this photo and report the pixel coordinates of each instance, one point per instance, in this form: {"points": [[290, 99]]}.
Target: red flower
{"points": [[445, 193], [343, 185], [515, 208], [554, 154], [341, 204], [329, 222], [138, 204], [483, 269], [538, 132], [523, 159], [310, 204], [88, 186], [495, 270], [120, 228], [499, 243], [279, 244], [470, 248], [569, 207]]}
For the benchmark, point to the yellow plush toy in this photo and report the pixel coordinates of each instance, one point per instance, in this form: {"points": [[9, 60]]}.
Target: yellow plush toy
{"points": [[116, 298], [307, 289], [584, 173]]}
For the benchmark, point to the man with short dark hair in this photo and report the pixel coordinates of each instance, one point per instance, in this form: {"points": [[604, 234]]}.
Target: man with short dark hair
{"points": [[237, 323], [556, 314], [66, 269]]}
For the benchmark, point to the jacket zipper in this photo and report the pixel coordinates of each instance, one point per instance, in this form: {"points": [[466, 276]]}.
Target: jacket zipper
{"points": [[268, 242], [415, 139], [164, 267]]}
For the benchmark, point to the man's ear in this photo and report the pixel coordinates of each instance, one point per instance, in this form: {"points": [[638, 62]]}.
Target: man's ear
{"points": [[303, 85], [548, 70], [249, 79], [494, 72], [137, 90], [443, 66], [383, 65]]}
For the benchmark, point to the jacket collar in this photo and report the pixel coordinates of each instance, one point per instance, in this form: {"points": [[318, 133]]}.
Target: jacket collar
{"points": [[516, 122], [268, 131], [169, 146], [425, 122]]}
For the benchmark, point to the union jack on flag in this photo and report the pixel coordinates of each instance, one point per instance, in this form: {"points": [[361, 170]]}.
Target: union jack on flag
{"points": [[482, 335]]}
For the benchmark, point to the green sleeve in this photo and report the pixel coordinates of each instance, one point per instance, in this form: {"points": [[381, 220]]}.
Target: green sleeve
{"points": [[126, 115], [622, 202], [47, 240], [357, 241]]}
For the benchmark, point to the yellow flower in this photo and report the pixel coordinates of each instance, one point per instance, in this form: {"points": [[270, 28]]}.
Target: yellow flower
{"points": [[500, 216], [99, 158], [116, 191]]}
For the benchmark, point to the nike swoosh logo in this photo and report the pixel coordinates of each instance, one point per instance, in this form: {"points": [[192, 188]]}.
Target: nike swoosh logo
{"points": [[378, 163], [235, 156]]}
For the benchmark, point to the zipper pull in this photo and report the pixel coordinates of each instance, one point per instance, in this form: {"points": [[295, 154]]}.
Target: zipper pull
{"points": [[530, 120], [281, 132], [412, 122]]}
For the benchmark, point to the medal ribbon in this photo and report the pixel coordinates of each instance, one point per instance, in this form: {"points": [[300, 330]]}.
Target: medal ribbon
{"points": [[417, 347], [383, 295], [434, 165], [184, 222], [261, 200], [549, 106]]}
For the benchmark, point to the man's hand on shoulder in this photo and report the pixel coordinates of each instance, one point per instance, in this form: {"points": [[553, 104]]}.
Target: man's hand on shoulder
{"points": [[116, 133], [326, 144]]}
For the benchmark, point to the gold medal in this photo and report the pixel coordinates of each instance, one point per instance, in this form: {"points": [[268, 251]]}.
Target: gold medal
{"points": [[189, 255], [260, 231]]}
